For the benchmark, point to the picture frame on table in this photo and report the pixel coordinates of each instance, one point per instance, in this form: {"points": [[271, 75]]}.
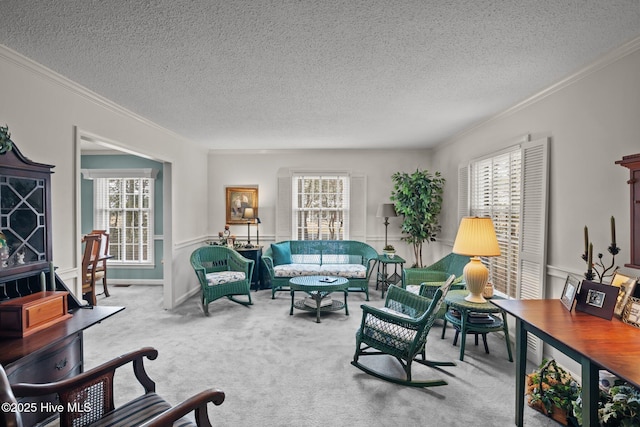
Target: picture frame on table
{"points": [[627, 286], [631, 312], [237, 200], [597, 299], [571, 286]]}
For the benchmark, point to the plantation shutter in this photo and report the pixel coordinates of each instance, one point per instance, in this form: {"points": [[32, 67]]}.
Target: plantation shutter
{"points": [[358, 209], [283, 207], [463, 192], [533, 252]]}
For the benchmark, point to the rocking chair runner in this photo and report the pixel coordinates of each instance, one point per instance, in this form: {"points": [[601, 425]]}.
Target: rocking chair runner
{"points": [[400, 330]]}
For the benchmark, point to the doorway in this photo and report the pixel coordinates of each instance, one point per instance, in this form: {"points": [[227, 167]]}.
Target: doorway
{"points": [[98, 153]]}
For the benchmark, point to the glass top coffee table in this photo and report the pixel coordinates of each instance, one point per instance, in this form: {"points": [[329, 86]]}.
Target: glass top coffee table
{"points": [[319, 288]]}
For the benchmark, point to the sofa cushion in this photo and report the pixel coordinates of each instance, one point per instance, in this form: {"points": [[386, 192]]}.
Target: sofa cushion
{"points": [[139, 411], [281, 253], [220, 277], [349, 271], [294, 270]]}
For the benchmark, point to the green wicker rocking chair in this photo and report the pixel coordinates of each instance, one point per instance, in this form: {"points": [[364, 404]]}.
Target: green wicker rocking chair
{"points": [[400, 329], [222, 272]]}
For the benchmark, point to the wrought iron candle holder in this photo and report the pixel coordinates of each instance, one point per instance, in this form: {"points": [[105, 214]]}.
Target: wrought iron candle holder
{"points": [[601, 270]]}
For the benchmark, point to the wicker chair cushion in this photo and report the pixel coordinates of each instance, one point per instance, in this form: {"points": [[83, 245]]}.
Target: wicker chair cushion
{"points": [[139, 411], [281, 253], [294, 270], [220, 277], [414, 289], [387, 332]]}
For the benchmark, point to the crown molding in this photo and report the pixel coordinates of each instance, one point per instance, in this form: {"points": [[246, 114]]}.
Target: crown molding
{"points": [[46, 73], [600, 63]]}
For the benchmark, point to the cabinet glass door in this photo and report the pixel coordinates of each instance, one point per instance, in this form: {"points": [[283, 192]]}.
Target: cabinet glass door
{"points": [[22, 221]]}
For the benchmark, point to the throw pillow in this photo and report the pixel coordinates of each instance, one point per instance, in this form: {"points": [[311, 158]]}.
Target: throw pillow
{"points": [[281, 253]]}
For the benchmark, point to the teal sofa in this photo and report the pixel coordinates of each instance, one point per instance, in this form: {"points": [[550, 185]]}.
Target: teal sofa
{"points": [[350, 259]]}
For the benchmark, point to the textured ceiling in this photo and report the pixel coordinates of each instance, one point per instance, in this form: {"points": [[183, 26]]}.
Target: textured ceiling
{"points": [[316, 73]]}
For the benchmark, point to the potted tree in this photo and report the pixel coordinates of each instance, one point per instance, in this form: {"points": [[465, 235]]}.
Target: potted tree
{"points": [[418, 198]]}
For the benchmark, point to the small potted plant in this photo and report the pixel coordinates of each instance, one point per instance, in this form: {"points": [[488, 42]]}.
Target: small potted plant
{"points": [[389, 251], [5, 140], [552, 391]]}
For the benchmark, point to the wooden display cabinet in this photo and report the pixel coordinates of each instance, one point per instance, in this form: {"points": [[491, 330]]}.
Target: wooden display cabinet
{"points": [[632, 162], [41, 321]]}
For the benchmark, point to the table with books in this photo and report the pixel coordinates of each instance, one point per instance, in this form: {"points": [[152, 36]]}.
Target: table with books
{"points": [[474, 318], [319, 289]]}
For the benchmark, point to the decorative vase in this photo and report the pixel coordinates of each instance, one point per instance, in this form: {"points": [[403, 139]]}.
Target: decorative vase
{"points": [[488, 290]]}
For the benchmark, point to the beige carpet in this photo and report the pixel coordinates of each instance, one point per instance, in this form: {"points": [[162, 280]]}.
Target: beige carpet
{"points": [[282, 370]]}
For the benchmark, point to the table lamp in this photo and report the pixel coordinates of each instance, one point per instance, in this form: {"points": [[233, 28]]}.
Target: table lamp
{"points": [[476, 237], [249, 215], [386, 210]]}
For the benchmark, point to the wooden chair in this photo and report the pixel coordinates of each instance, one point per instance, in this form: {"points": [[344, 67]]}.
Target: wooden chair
{"points": [[103, 256], [89, 271], [400, 330], [88, 399], [222, 272]]}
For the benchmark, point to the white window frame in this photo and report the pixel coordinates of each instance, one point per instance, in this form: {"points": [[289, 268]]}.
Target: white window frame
{"points": [[102, 213], [333, 203]]}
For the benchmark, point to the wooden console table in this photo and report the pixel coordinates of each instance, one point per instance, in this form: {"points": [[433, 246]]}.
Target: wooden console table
{"points": [[593, 342]]}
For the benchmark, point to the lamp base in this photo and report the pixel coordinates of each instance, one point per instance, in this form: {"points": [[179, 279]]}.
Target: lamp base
{"points": [[476, 275]]}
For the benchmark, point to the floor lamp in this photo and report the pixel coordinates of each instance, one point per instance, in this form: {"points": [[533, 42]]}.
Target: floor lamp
{"points": [[386, 210], [476, 237], [249, 215]]}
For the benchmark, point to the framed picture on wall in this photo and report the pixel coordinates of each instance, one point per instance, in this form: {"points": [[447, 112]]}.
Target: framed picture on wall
{"points": [[597, 299], [627, 286], [569, 292], [238, 199]]}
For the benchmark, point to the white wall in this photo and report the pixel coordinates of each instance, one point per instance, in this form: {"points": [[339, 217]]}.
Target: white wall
{"points": [[229, 168], [592, 122], [44, 111]]}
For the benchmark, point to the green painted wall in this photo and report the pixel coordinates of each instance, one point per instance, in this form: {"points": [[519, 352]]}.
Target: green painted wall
{"points": [[86, 193]]}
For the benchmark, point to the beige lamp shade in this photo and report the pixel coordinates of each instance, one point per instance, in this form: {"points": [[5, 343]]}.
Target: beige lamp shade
{"points": [[248, 213], [386, 210], [476, 237]]}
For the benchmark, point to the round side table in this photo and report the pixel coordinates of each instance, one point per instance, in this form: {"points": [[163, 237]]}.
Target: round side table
{"points": [[475, 318]]}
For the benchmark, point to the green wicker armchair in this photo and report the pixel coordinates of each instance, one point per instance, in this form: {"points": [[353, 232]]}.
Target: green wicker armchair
{"points": [[222, 272], [400, 329], [425, 281]]}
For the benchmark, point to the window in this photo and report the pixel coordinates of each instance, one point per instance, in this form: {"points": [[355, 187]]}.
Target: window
{"points": [[495, 192], [511, 188], [320, 207], [123, 205]]}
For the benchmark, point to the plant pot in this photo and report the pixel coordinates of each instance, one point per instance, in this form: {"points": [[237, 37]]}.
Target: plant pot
{"points": [[389, 254]]}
